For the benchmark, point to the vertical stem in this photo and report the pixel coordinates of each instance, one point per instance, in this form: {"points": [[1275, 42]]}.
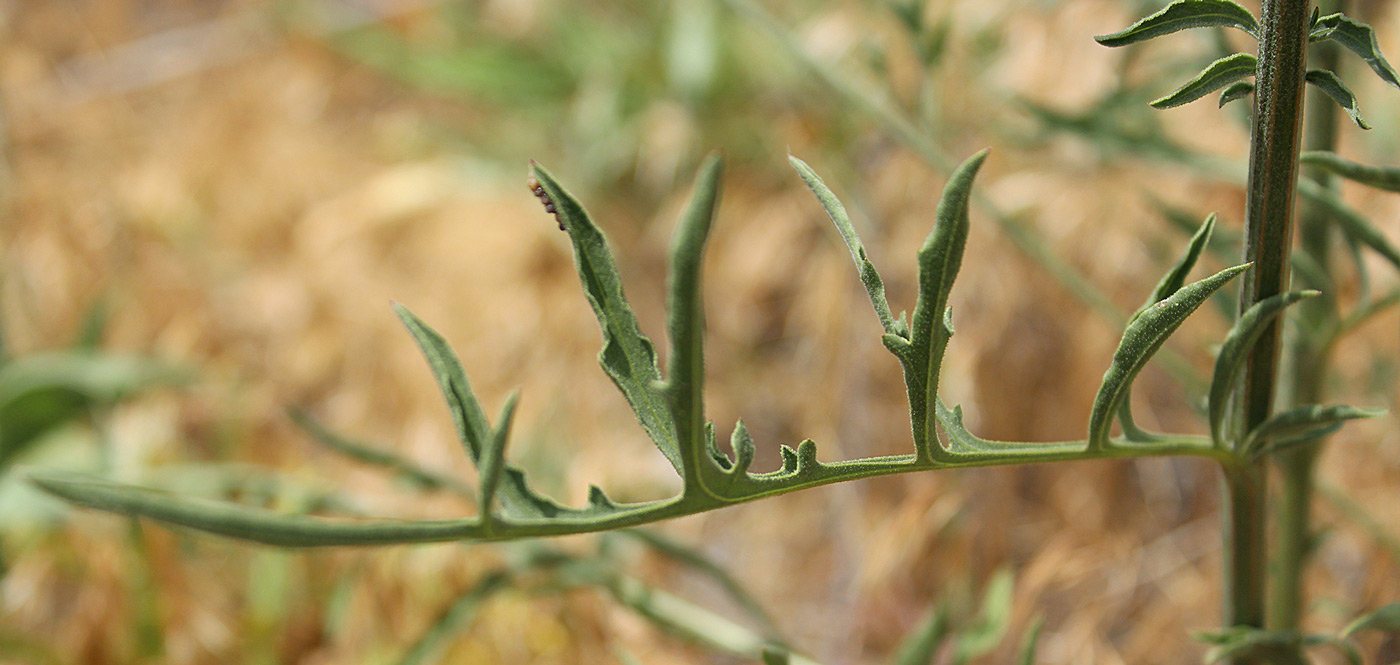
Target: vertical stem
{"points": [[1309, 366], [1273, 170]]}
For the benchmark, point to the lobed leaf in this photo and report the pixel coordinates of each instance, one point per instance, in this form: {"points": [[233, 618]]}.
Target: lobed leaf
{"points": [[684, 385], [1183, 15], [1216, 75], [628, 356], [1239, 342], [1300, 425], [1144, 335], [1236, 90], [1357, 37], [473, 429], [939, 260], [874, 287], [1379, 177], [1332, 86]]}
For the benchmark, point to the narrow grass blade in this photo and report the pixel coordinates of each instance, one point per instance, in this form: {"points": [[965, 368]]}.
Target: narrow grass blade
{"points": [[1357, 37], [1216, 75], [454, 621], [1332, 86], [1182, 15], [1356, 226], [1236, 90], [1239, 342], [627, 356], [1379, 177], [493, 456], [1385, 619], [874, 286], [922, 643], [472, 427], [684, 386], [1300, 425], [240, 522], [992, 621], [939, 260], [377, 456], [1144, 335]]}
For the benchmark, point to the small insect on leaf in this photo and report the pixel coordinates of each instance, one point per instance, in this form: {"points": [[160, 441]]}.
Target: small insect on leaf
{"points": [[543, 196]]}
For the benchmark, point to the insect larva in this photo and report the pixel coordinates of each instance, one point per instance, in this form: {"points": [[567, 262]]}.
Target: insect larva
{"points": [[543, 196]]}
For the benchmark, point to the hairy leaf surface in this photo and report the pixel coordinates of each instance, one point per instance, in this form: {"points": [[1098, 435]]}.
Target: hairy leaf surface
{"points": [[1182, 15], [1239, 343], [1357, 37], [1332, 86], [1216, 75]]}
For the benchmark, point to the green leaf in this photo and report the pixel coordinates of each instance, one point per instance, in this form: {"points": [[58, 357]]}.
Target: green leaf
{"points": [[1176, 275], [868, 275], [492, 462], [1216, 75], [1031, 642], [939, 260], [684, 386], [922, 643], [1236, 90], [1356, 226], [776, 656], [1333, 87], [377, 456], [1300, 425], [473, 429], [457, 618], [1357, 37], [1144, 335], [1386, 619], [1239, 342], [627, 356], [1182, 15], [1379, 177], [992, 620]]}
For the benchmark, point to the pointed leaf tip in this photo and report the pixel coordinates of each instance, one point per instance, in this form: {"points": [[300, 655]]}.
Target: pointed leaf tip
{"points": [[1183, 15], [1216, 75]]}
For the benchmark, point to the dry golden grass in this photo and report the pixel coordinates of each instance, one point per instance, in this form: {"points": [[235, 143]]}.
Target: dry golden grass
{"points": [[254, 219]]}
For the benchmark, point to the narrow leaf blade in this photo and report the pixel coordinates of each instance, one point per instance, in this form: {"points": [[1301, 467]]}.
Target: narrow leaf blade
{"points": [[1239, 342], [939, 261], [1144, 335], [1359, 38], [686, 372], [874, 286], [1216, 75], [1182, 15], [1379, 177], [1332, 86], [1356, 226], [1384, 619], [1295, 426], [1236, 90], [628, 356]]}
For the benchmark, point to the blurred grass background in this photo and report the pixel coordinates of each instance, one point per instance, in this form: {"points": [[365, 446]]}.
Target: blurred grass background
{"points": [[240, 188]]}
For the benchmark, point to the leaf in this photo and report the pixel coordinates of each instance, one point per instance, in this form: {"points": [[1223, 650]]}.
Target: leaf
{"points": [[1216, 75], [1356, 226], [454, 620], [939, 260], [1298, 425], [1031, 642], [1182, 15], [1239, 342], [776, 656], [377, 456], [1333, 87], [1379, 177], [922, 643], [627, 356], [493, 456], [992, 620], [1144, 335], [1386, 619], [1357, 37], [1236, 90], [868, 275], [684, 385], [241, 522], [473, 430], [1176, 275]]}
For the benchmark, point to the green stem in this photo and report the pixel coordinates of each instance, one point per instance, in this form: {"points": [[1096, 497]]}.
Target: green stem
{"points": [[1273, 171], [1310, 358]]}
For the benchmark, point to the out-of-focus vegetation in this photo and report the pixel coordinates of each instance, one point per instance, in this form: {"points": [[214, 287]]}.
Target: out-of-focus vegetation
{"points": [[247, 185]]}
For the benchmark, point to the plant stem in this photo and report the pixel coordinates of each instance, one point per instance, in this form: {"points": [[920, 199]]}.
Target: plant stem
{"points": [[1273, 171], [1309, 366]]}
